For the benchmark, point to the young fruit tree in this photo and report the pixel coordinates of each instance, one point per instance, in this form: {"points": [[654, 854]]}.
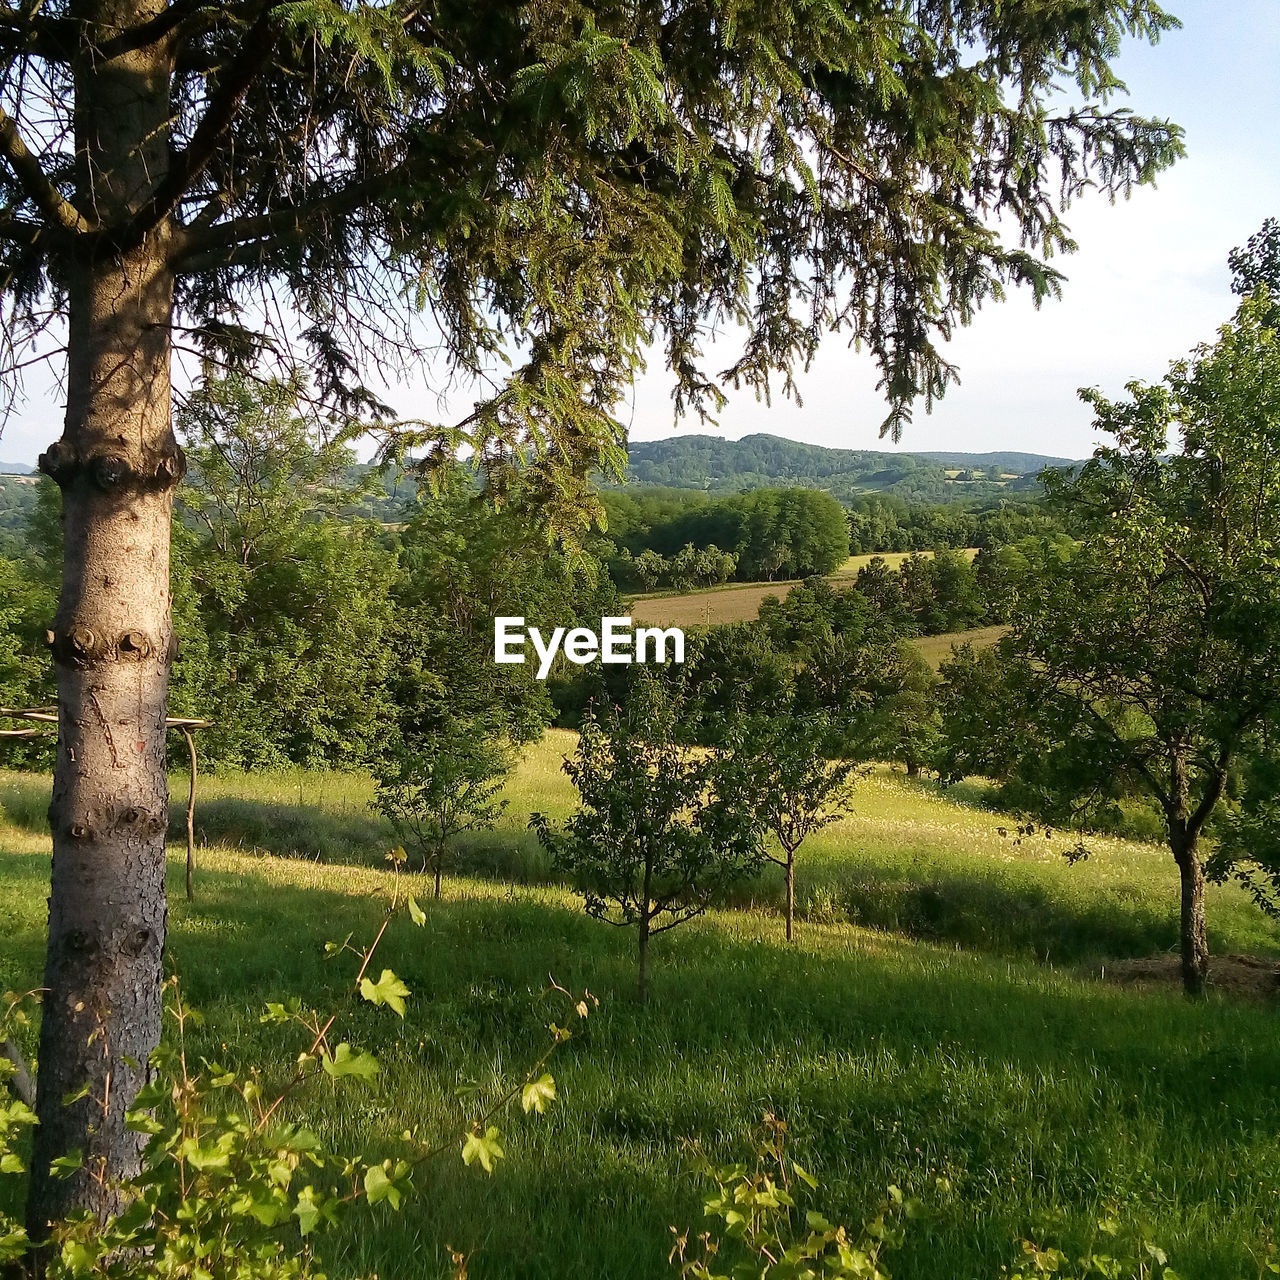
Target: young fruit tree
{"points": [[660, 834], [371, 189], [442, 787], [1148, 659], [790, 784]]}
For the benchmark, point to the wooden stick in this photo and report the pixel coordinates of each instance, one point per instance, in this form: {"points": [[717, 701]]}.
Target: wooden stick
{"points": [[43, 714], [23, 1085], [49, 715], [191, 815]]}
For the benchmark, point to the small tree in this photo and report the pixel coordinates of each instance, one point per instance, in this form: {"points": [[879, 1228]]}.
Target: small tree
{"points": [[650, 568], [686, 567], [435, 791], [659, 836], [903, 723], [715, 566], [788, 782]]}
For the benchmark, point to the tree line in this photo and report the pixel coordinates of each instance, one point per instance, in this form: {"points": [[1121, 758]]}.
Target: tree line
{"points": [[675, 539], [312, 636], [681, 539]]}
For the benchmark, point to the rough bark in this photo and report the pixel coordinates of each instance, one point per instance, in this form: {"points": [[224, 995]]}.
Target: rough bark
{"points": [[1184, 836], [117, 465]]}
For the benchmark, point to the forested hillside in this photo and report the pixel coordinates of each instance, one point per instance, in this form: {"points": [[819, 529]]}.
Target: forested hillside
{"points": [[17, 502], [717, 465]]}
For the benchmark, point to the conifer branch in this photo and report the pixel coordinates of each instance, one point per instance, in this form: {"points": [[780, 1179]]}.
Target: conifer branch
{"points": [[26, 168]]}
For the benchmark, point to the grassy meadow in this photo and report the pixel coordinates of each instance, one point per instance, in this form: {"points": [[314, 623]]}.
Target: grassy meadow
{"points": [[740, 601], [948, 1010], [937, 649]]}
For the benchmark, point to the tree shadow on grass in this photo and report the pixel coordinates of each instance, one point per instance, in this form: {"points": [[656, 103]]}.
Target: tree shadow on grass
{"points": [[304, 830], [993, 912], [890, 1061], [289, 830]]}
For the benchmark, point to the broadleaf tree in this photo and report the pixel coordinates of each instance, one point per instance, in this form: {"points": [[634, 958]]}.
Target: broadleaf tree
{"points": [[793, 784], [286, 597], [662, 831], [445, 786], [1147, 660], [556, 183]]}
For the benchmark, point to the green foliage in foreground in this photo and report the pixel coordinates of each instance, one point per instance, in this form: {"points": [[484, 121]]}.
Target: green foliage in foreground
{"points": [[1042, 1097], [759, 1232], [231, 1185]]}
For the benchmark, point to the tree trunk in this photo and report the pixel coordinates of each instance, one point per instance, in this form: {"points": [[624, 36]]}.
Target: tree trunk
{"points": [[439, 857], [1195, 942], [913, 768], [1184, 835], [642, 984], [647, 913], [791, 893], [117, 465]]}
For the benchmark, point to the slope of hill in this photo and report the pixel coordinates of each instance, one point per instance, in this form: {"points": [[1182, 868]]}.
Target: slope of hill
{"points": [[15, 469], [948, 1018], [1010, 460], [717, 465]]}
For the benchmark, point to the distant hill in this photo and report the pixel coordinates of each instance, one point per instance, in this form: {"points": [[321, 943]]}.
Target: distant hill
{"points": [[716, 465], [15, 469], [1022, 463]]}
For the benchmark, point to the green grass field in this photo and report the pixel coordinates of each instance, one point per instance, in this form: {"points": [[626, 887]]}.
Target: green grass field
{"points": [[941, 1013], [740, 601], [937, 649]]}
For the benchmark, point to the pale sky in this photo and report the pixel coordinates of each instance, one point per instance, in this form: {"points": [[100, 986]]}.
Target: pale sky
{"points": [[1148, 283]]}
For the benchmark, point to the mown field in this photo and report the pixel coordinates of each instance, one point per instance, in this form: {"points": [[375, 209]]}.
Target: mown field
{"points": [[937, 649], [736, 601], [942, 1013]]}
